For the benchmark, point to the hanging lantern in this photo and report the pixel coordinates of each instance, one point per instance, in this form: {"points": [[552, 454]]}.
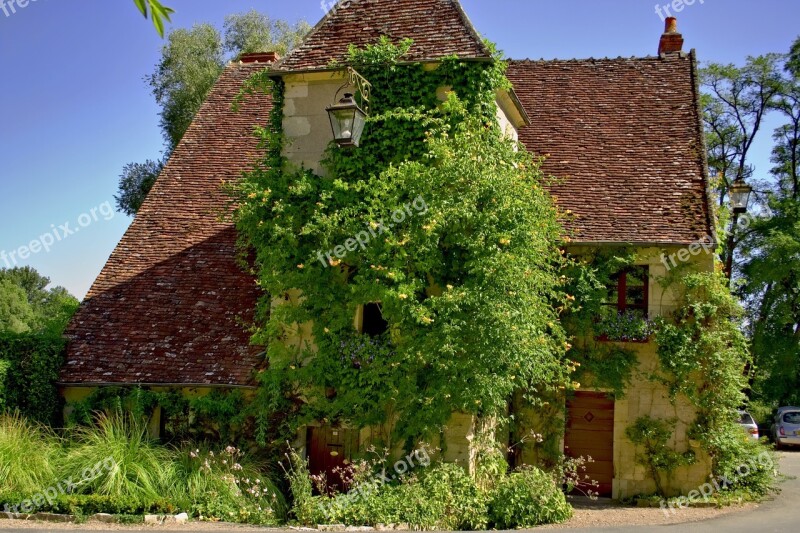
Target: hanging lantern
{"points": [[347, 121]]}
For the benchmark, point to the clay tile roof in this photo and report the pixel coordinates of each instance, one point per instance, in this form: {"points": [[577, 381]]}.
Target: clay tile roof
{"points": [[171, 305], [625, 135], [439, 28]]}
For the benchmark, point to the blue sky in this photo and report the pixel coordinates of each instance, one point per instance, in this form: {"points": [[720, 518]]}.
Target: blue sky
{"points": [[74, 108]]}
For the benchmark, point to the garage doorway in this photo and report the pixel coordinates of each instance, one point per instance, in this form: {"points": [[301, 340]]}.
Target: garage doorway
{"points": [[590, 433]]}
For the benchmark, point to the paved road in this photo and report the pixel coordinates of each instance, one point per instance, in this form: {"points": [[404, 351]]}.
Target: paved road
{"points": [[780, 514]]}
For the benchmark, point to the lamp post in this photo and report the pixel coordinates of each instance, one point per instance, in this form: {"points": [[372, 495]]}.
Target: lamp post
{"points": [[740, 196], [740, 193], [346, 116]]}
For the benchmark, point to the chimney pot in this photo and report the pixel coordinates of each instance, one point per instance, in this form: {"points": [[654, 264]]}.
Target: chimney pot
{"points": [[260, 57], [671, 40]]}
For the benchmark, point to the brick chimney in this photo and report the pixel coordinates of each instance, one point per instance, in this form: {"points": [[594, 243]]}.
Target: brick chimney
{"points": [[260, 57], [671, 41]]}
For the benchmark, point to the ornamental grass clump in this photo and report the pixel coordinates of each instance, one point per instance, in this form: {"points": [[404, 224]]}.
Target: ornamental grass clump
{"points": [[131, 465], [28, 458]]}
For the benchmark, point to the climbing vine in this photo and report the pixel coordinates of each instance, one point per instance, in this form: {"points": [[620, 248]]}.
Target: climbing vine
{"points": [[602, 365], [462, 256], [652, 435]]}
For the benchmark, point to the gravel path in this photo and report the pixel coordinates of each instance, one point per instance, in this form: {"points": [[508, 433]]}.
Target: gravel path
{"points": [[607, 515]]}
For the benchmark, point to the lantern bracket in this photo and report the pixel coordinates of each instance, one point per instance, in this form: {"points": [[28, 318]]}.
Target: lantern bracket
{"points": [[363, 87]]}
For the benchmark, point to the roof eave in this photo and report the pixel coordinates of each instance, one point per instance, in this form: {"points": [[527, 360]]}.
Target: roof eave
{"points": [[170, 385]]}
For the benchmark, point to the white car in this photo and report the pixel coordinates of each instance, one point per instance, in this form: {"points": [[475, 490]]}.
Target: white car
{"points": [[749, 425], [786, 428]]}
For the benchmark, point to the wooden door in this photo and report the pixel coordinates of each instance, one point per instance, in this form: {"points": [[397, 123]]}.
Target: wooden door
{"points": [[590, 433], [330, 449]]}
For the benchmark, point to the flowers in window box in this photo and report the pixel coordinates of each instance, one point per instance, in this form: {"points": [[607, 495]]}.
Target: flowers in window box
{"points": [[359, 350], [626, 326]]}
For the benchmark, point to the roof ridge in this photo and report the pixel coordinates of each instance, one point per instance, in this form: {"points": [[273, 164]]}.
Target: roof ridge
{"points": [[447, 31], [597, 59]]}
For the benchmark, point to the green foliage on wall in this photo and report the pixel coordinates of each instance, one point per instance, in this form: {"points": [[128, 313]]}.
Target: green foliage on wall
{"points": [[460, 248], [219, 416], [604, 365], [653, 436], [703, 355]]}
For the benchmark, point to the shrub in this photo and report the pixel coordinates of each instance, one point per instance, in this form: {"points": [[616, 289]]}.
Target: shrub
{"points": [[224, 486], [28, 454], [748, 465], [29, 367], [527, 498], [116, 458], [440, 497]]}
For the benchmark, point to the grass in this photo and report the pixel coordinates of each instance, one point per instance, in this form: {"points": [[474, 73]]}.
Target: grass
{"points": [[28, 457], [113, 466], [116, 458]]}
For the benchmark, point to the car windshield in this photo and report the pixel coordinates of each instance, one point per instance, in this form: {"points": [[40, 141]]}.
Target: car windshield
{"points": [[745, 418], [792, 418]]}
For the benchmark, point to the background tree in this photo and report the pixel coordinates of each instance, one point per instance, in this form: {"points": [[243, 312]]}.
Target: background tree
{"points": [[135, 182], [32, 322], [771, 271], [191, 61], [256, 32], [27, 305], [737, 101]]}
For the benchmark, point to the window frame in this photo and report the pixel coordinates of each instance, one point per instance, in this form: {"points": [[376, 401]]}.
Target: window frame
{"points": [[620, 284]]}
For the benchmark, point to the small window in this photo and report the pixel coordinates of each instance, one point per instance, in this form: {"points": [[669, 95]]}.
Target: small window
{"points": [[745, 418], [792, 417], [373, 323], [629, 291]]}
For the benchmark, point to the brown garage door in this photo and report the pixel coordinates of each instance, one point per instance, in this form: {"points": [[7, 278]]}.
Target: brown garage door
{"points": [[590, 433]]}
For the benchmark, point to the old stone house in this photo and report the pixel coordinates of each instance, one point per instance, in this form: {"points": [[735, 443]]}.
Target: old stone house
{"points": [[171, 306]]}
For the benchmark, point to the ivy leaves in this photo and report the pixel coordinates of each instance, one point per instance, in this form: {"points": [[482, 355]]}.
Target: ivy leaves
{"points": [[469, 285]]}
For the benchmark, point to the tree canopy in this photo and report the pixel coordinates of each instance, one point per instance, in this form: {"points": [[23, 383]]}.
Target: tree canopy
{"points": [[191, 62]]}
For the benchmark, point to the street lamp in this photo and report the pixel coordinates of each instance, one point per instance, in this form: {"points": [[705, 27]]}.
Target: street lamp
{"points": [[740, 196], [346, 116]]}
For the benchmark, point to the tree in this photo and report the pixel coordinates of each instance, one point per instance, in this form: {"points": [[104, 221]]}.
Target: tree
{"points": [[135, 182], [158, 13], [256, 32], [191, 61], [16, 313], [734, 109], [26, 305], [772, 267]]}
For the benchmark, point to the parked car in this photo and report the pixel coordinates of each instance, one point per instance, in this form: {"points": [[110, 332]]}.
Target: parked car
{"points": [[749, 425], [786, 428]]}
